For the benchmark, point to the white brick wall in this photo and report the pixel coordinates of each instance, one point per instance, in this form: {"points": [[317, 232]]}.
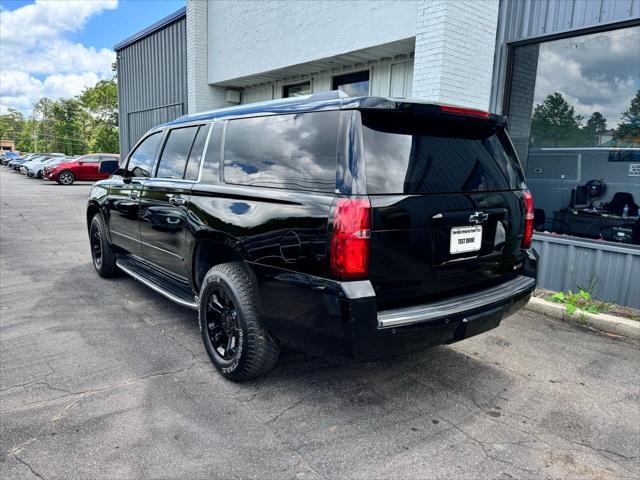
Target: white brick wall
{"points": [[455, 45], [201, 95]]}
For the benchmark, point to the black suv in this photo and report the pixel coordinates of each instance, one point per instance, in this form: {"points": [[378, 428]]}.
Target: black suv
{"points": [[358, 226]]}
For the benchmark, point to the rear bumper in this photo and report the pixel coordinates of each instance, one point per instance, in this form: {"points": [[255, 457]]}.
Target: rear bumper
{"points": [[342, 317], [455, 306], [408, 329]]}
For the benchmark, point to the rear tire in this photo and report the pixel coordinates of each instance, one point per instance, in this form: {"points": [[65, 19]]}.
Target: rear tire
{"points": [[237, 344], [65, 177], [104, 260]]}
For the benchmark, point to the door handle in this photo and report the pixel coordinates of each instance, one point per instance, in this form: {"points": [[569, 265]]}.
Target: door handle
{"points": [[135, 194], [177, 201]]}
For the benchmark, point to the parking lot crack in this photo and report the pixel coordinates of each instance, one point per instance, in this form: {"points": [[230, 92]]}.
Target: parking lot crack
{"points": [[23, 462], [291, 407]]}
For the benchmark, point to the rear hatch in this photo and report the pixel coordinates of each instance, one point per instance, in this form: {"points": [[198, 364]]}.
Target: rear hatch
{"points": [[447, 205]]}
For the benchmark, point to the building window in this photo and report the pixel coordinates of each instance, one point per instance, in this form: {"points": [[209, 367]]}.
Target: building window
{"points": [[296, 90], [574, 118], [353, 84]]}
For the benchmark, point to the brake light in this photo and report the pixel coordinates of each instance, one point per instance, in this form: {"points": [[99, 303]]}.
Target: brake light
{"points": [[350, 239], [528, 219], [464, 111]]}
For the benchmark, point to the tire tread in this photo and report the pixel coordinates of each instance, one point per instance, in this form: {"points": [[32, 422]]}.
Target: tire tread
{"points": [[261, 349]]}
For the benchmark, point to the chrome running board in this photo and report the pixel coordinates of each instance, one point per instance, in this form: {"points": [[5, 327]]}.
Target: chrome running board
{"points": [[136, 272]]}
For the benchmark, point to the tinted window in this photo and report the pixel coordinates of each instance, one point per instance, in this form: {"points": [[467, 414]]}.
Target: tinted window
{"points": [[175, 153], [193, 165], [141, 160], [411, 154], [211, 167], [285, 151]]}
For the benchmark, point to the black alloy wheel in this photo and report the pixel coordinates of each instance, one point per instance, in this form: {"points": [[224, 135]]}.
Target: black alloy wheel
{"points": [[222, 324], [96, 246], [232, 332], [104, 260]]}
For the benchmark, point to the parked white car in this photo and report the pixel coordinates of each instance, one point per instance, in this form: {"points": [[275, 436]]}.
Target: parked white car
{"points": [[35, 168]]}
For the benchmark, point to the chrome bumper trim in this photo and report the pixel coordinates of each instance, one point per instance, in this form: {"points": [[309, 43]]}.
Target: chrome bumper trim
{"points": [[455, 305]]}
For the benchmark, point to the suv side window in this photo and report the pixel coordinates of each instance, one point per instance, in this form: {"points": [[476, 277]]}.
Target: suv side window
{"points": [[173, 159], [142, 159], [297, 151], [193, 164], [211, 167]]}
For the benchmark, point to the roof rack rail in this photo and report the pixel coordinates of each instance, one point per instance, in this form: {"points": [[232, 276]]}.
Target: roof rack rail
{"points": [[331, 95]]}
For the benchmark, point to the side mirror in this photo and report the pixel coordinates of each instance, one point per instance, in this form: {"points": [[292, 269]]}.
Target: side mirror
{"points": [[108, 166]]}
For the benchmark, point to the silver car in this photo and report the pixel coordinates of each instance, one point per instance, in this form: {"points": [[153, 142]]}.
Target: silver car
{"points": [[35, 167]]}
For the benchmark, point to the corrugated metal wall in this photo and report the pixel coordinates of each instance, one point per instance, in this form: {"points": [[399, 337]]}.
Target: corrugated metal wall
{"points": [[152, 82], [387, 79], [566, 263], [528, 19]]}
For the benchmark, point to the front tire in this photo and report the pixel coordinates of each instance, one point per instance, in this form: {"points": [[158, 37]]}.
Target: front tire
{"points": [[237, 344], [66, 177], [104, 260]]}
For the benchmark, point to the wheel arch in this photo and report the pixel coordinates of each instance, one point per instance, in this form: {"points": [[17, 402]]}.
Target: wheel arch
{"points": [[214, 248]]}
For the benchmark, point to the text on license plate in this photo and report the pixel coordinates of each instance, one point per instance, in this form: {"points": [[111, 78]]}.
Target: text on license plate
{"points": [[465, 239]]}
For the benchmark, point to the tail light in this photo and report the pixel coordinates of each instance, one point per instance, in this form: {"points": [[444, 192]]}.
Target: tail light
{"points": [[464, 111], [528, 219], [350, 239]]}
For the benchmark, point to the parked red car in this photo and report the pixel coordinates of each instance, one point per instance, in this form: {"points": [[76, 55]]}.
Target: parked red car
{"points": [[82, 168]]}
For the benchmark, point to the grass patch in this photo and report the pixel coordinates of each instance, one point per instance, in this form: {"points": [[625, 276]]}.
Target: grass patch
{"points": [[581, 300]]}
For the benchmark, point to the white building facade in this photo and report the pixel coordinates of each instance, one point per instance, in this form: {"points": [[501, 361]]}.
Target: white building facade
{"points": [[439, 50]]}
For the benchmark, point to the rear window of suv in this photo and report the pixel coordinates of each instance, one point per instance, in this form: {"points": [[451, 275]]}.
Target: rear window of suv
{"points": [[297, 151], [415, 154]]}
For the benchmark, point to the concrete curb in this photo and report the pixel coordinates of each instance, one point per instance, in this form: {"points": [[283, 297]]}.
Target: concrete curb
{"points": [[601, 321]]}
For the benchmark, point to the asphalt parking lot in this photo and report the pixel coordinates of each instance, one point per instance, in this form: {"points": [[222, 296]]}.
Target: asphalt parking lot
{"points": [[106, 379]]}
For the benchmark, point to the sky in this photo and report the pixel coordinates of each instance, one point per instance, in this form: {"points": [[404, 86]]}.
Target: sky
{"points": [[56, 48], [598, 72]]}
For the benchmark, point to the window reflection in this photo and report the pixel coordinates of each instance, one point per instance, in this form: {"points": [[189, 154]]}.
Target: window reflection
{"points": [[353, 84], [402, 157], [285, 151], [142, 159], [174, 155], [574, 116]]}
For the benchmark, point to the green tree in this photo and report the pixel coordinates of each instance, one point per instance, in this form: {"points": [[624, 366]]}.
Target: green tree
{"points": [[555, 123], [628, 131], [101, 104], [67, 127], [596, 123], [11, 124], [595, 126]]}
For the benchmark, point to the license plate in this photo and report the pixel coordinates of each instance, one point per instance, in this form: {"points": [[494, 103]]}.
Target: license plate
{"points": [[465, 239]]}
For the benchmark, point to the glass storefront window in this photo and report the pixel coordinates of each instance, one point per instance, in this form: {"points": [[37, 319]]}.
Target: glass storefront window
{"points": [[354, 84], [296, 90], [574, 117]]}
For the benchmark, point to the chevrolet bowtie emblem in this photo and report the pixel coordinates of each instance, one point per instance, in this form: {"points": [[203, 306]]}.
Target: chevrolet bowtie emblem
{"points": [[478, 217]]}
